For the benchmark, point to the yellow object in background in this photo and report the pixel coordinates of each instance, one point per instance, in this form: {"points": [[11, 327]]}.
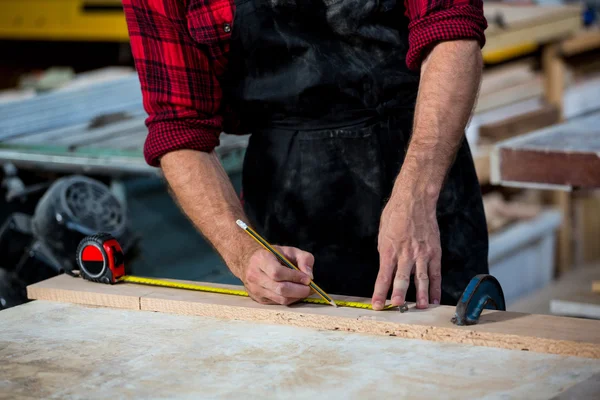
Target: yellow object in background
{"points": [[67, 20], [508, 53]]}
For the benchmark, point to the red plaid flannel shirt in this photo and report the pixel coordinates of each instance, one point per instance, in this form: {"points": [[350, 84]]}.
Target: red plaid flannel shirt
{"points": [[180, 49]]}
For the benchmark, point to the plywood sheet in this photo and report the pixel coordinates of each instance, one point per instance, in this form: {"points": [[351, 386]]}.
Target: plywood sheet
{"points": [[59, 350], [539, 333]]}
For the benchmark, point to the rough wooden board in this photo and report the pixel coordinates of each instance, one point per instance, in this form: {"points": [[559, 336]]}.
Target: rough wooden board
{"points": [[539, 333], [53, 350], [573, 282], [564, 154], [583, 304]]}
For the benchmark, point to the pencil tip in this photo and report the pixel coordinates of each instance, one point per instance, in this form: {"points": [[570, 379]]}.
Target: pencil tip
{"points": [[333, 304]]}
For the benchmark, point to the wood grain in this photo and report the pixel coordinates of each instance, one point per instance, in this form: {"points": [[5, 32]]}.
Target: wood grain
{"points": [[508, 330]]}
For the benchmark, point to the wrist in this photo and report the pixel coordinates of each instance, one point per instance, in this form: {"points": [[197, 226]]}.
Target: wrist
{"points": [[422, 186], [240, 249]]}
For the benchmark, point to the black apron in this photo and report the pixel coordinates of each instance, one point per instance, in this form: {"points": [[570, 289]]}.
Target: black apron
{"points": [[323, 87]]}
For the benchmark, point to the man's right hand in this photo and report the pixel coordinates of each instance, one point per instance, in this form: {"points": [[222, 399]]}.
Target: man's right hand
{"points": [[269, 282]]}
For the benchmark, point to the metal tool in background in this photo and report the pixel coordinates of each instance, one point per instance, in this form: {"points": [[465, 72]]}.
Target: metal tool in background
{"points": [[39, 246]]}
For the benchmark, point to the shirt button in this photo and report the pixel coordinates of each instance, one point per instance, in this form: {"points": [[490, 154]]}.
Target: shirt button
{"points": [[227, 28]]}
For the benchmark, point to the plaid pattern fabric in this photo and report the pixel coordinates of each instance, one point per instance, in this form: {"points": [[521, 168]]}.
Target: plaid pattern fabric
{"points": [[180, 50], [433, 21]]}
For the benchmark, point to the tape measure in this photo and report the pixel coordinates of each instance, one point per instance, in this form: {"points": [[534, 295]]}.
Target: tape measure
{"points": [[100, 259]]}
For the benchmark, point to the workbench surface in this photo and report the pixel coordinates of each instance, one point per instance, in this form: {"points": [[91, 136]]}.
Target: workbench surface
{"points": [[61, 350]]}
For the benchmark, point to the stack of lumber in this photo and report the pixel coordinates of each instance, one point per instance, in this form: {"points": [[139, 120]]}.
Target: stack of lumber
{"points": [[518, 29]]}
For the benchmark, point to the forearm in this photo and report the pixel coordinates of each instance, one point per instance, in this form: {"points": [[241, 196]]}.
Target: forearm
{"points": [[450, 78], [205, 193]]}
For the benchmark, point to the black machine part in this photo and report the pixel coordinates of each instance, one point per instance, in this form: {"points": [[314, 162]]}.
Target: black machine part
{"points": [[75, 207]]}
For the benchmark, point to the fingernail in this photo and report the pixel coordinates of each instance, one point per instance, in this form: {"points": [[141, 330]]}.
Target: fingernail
{"points": [[377, 305], [436, 302], [310, 272]]}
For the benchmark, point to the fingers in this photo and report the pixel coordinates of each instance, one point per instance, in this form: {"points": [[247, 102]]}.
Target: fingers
{"points": [[286, 289], [278, 273], [435, 279], [269, 282], [384, 280], [302, 259], [401, 282], [265, 296], [422, 283]]}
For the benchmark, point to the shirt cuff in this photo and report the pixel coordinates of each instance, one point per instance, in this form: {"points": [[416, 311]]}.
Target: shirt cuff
{"points": [[461, 22], [164, 137]]}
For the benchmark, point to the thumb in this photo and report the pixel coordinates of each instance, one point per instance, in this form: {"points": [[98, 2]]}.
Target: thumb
{"points": [[302, 259]]}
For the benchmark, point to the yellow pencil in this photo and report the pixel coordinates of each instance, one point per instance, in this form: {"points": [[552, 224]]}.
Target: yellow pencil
{"points": [[283, 260]]}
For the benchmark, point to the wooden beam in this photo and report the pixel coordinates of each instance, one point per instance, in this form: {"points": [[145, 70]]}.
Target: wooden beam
{"points": [[520, 124], [564, 154], [580, 43], [508, 330], [584, 305]]}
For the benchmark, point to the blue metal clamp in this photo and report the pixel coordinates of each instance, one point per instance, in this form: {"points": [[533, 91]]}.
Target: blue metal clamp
{"points": [[483, 292]]}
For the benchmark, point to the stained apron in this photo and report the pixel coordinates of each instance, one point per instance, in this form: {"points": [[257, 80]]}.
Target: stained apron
{"points": [[324, 90]]}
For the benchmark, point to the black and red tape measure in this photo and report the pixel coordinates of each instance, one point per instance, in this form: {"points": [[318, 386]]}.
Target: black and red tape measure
{"points": [[100, 259]]}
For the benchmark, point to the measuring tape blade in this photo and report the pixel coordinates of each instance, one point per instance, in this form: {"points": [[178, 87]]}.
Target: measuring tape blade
{"points": [[234, 292]]}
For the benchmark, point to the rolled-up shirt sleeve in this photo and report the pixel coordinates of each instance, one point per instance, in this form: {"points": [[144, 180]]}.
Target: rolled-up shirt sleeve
{"points": [[434, 21], [180, 90]]}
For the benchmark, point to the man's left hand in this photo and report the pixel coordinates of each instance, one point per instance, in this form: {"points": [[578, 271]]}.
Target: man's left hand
{"points": [[409, 242]]}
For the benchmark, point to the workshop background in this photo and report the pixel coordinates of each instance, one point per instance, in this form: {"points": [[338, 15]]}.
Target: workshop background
{"points": [[72, 131]]}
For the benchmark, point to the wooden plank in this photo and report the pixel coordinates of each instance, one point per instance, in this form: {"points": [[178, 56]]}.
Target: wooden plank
{"points": [[520, 124], [113, 296], [522, 16], [584, 41], [515, 331], [510, 95], [55, 350], [583, 304], [565, 154], [497, 40], [509, 75]]}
